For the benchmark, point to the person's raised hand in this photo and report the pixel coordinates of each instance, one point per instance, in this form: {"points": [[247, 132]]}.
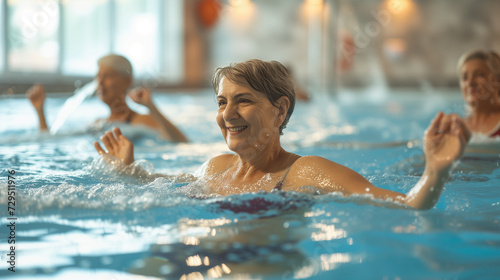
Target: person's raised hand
{"points": [[36, 94], [141, 95], [117, 145], [445, 140]]}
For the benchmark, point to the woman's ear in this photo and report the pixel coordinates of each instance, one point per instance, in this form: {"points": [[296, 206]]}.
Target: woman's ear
{"points": [[283, 103]]}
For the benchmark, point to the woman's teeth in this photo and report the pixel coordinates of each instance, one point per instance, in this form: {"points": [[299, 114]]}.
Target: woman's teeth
{"points": [[237, 128]]}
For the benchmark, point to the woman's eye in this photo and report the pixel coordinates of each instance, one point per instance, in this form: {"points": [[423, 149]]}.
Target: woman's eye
{"points": [[220, 103]]}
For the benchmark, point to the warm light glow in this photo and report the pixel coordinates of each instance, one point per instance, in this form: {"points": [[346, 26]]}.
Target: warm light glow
{"points": [[312, 8], [194, 261], [398, 16], [215, 272], [399, 6], [314, 2], [395, 47], [239, 3], [191, 240], [225, 268], [192, 276], [240, 13]]}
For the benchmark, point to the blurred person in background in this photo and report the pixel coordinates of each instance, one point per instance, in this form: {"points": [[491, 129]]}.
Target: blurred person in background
{"points": [[479, 74], [114, 79]]}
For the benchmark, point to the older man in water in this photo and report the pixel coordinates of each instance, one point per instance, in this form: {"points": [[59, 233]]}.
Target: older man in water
{"points": [[255, 101], [114, 79]]}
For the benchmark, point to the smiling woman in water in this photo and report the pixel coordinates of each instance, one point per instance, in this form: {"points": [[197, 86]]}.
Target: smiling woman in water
{"points": [[255, 101]]}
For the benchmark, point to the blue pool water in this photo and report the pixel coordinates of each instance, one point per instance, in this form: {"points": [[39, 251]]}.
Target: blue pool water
{"points": [[79, 219]]}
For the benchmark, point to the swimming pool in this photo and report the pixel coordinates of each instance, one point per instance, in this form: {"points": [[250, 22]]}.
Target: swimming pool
{"points": [[77, 219]]}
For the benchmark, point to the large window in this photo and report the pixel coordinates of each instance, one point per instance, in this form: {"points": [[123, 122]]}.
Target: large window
{"points": [[136, 33], [86, 35], [32, 29], [2, 35], [173, 52], [64, 38]]}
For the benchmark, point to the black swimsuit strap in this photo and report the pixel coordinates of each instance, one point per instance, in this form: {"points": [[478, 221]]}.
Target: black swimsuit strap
{"points": [[279, 185]]}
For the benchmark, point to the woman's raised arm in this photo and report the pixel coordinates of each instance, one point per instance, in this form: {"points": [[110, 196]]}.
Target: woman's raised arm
{"points": [[142, 95], [36, 94], [445, 141]]}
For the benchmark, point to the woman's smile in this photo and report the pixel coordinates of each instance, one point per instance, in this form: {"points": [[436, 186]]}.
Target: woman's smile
{"points": [[236, 129]]}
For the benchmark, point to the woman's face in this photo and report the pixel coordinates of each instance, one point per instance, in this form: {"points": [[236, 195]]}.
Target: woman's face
{"points": [[477, 82], [112, 85], [247, 119]]}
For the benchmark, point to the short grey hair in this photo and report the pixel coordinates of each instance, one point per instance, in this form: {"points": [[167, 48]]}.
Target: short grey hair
{"points": [[268, 77], [491, 59], [118, 63]]}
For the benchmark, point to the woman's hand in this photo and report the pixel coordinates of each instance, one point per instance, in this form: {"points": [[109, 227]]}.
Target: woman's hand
{"points": [[445, 141], [36, 95], [141, 95], [119, 146]]}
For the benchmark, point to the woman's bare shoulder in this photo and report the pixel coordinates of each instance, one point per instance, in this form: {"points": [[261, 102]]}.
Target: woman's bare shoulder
{"points": [[324, 174], [310, 168], [316, 162], [219, 163]]}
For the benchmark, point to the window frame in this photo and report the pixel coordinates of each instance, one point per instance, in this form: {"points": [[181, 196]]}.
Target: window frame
{"points": [[171, 73], [3, 34]]}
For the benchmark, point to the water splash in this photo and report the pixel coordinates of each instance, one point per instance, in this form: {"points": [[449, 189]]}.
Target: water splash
{"points": [[379, 89], [72, 103]]}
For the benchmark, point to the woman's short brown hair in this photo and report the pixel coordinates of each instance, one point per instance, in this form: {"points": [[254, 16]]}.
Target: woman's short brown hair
{"points": [[491, 59], [268, 77]]}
